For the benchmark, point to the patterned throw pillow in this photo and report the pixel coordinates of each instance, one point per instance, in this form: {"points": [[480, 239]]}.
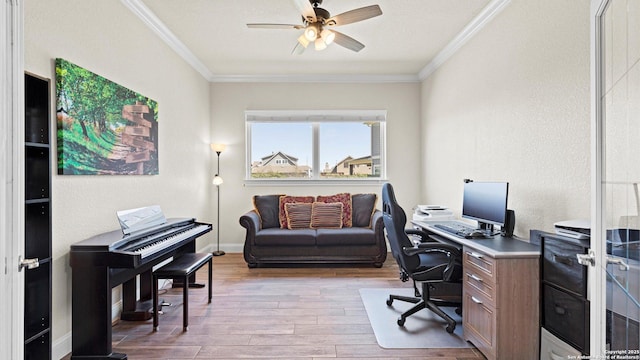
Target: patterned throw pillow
{"points": [[298, 215], [345, 199], [286, 199], [326, 215]]}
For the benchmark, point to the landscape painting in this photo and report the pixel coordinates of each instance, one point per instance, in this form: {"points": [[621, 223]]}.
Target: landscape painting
{"points": [[103, 128]]}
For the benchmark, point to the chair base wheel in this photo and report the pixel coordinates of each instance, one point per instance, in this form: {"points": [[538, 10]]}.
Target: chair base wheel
{"points": [[389, 302], [450, 328], [401, 321], [459, 311]]}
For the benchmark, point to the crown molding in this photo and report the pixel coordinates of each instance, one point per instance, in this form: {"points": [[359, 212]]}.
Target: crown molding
{"points": [[311, 78], [474, 26], [157, 26]]}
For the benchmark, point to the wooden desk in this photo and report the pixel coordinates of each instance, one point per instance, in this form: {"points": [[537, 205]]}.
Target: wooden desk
{"points": [[501, 293]]}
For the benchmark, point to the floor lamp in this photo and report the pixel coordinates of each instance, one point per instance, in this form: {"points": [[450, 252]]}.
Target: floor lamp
{"points": [[217, 181]]}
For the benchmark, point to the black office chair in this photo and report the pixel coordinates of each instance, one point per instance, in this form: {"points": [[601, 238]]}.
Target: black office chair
{"points": [[438, 266]]}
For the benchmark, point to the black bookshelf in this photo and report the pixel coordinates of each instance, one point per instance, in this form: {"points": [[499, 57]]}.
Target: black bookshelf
{"points": [[37, 290]]}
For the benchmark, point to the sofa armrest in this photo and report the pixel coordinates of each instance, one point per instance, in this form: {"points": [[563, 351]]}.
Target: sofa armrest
{"points": [[251, 221], [377, 220]]}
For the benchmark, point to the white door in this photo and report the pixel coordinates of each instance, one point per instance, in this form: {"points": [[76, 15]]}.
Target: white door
{"points": [[615, 278], [11, 180]]}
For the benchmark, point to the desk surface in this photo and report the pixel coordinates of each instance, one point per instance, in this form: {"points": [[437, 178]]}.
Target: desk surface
{"points": [[497, 247]]}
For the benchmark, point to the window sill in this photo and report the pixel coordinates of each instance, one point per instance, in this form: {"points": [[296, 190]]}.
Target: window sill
{"points": [[327, 182]]}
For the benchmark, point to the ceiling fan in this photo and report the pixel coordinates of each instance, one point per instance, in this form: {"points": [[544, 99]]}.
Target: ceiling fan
{"points": [[318, 25]]}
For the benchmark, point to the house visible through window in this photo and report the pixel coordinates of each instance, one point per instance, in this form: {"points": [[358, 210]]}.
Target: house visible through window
{"points": [[315, 145]]}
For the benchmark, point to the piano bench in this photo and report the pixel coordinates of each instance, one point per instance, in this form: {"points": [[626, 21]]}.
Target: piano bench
{"points": [[182, 267]]}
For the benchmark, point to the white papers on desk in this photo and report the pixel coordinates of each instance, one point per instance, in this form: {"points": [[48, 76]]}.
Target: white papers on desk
{"points": [[432, 213]]}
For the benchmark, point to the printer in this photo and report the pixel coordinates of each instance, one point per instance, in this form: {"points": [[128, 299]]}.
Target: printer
{"points": [[577, 229], [432, 213]]}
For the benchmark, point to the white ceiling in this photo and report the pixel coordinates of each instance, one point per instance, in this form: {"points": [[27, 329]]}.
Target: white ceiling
{"points": [[212, 35]]}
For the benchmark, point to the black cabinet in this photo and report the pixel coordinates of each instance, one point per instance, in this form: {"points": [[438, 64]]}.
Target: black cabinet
{"points": [[564, 305], [37, 289]]}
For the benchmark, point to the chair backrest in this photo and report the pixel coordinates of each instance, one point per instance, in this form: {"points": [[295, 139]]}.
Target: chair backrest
{"points": [[395, 221]]}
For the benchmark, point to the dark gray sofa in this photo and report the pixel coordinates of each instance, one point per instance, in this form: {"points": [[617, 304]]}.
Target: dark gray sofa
{"points": [[267, 243]]}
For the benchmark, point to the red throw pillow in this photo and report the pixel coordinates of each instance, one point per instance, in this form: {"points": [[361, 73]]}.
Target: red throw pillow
{"points": [[345, 199], [286, 199]]}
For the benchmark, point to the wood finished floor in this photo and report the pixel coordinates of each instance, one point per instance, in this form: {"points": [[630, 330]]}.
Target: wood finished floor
{"points": [[272, 313]]}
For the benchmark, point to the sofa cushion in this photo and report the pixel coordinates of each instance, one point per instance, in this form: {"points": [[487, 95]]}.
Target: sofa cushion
{"points": [[363, 207], [267, 208], [298, 215], [285, 199], [345, 236], [345, 199], [326, 215], [285, 237]]}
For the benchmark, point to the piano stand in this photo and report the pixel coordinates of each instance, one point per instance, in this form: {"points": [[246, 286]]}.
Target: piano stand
{"points": [[104, 261]]}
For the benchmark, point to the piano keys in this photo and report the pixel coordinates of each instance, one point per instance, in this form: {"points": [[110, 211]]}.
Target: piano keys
{"points": [[107, 260]]}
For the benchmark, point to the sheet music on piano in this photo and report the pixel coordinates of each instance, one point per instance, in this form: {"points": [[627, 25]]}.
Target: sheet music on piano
{"points": [[133, 220]]}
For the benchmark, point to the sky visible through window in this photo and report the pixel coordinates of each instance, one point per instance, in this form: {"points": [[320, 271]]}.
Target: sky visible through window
{"points": [[337, 141]]}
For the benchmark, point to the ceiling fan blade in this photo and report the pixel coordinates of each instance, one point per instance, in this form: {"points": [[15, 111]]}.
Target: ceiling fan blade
{"points": [[274, 26], [347, 41], [298, 49], [355, 15], [306, 9]]}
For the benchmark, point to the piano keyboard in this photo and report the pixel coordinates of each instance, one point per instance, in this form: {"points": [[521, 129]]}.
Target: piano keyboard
{"points": [[163, 243]]}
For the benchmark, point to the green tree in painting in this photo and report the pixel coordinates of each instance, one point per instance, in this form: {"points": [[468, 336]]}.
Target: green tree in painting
{"points": [[90, 124]]}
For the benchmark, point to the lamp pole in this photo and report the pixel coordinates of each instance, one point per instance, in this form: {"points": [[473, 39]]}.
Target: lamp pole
{"points": [[217, 181]]}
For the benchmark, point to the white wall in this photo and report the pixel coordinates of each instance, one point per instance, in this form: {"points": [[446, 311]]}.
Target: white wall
{"points": [[513, 105], [230, 100], [106, 38]]}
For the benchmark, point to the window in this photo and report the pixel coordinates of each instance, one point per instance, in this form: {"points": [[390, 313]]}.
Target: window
{"points": [[315, 145]]}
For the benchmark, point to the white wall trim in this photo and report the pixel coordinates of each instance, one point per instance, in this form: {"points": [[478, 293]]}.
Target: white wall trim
{"points": [[158, 27], [311, 78], [12, 177], [483, 18]]}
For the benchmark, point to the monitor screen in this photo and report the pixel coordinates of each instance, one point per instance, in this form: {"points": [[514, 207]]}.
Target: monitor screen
{"points": [[485, 202]]}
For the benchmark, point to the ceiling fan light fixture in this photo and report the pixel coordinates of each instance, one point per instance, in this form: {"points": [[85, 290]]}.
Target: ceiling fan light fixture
{"points": [[311, 32], [328, 36], [302, 40], [320, 44]]}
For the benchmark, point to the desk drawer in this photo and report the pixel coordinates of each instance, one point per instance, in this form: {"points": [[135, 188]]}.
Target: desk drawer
{"points": [[479, 263], [479, 322], [566, 316], [560, 266], [480, 284]]}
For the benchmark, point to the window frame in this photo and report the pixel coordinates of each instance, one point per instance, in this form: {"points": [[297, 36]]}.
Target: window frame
{"points": [[315, 117]]}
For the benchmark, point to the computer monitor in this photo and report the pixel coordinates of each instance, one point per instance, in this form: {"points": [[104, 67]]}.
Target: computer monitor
{"points": [[485, 202]]}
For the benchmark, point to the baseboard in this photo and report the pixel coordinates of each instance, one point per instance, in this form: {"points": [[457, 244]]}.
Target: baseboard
{"points": [[61, 347]]}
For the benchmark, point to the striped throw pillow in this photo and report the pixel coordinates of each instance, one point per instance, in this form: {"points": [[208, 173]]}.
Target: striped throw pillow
{"points": [[298, 215], [326, 215]]}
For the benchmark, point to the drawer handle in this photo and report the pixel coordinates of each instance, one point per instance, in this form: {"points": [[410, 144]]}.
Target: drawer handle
{"points": [[555, 356], [475, 277], [560, 310], [473, 298], [475, 255], [563, 260]]}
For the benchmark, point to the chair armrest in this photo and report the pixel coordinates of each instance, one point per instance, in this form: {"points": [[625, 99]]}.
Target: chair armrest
{"points": [[454, 256], [424, 237], [424, 248]]}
